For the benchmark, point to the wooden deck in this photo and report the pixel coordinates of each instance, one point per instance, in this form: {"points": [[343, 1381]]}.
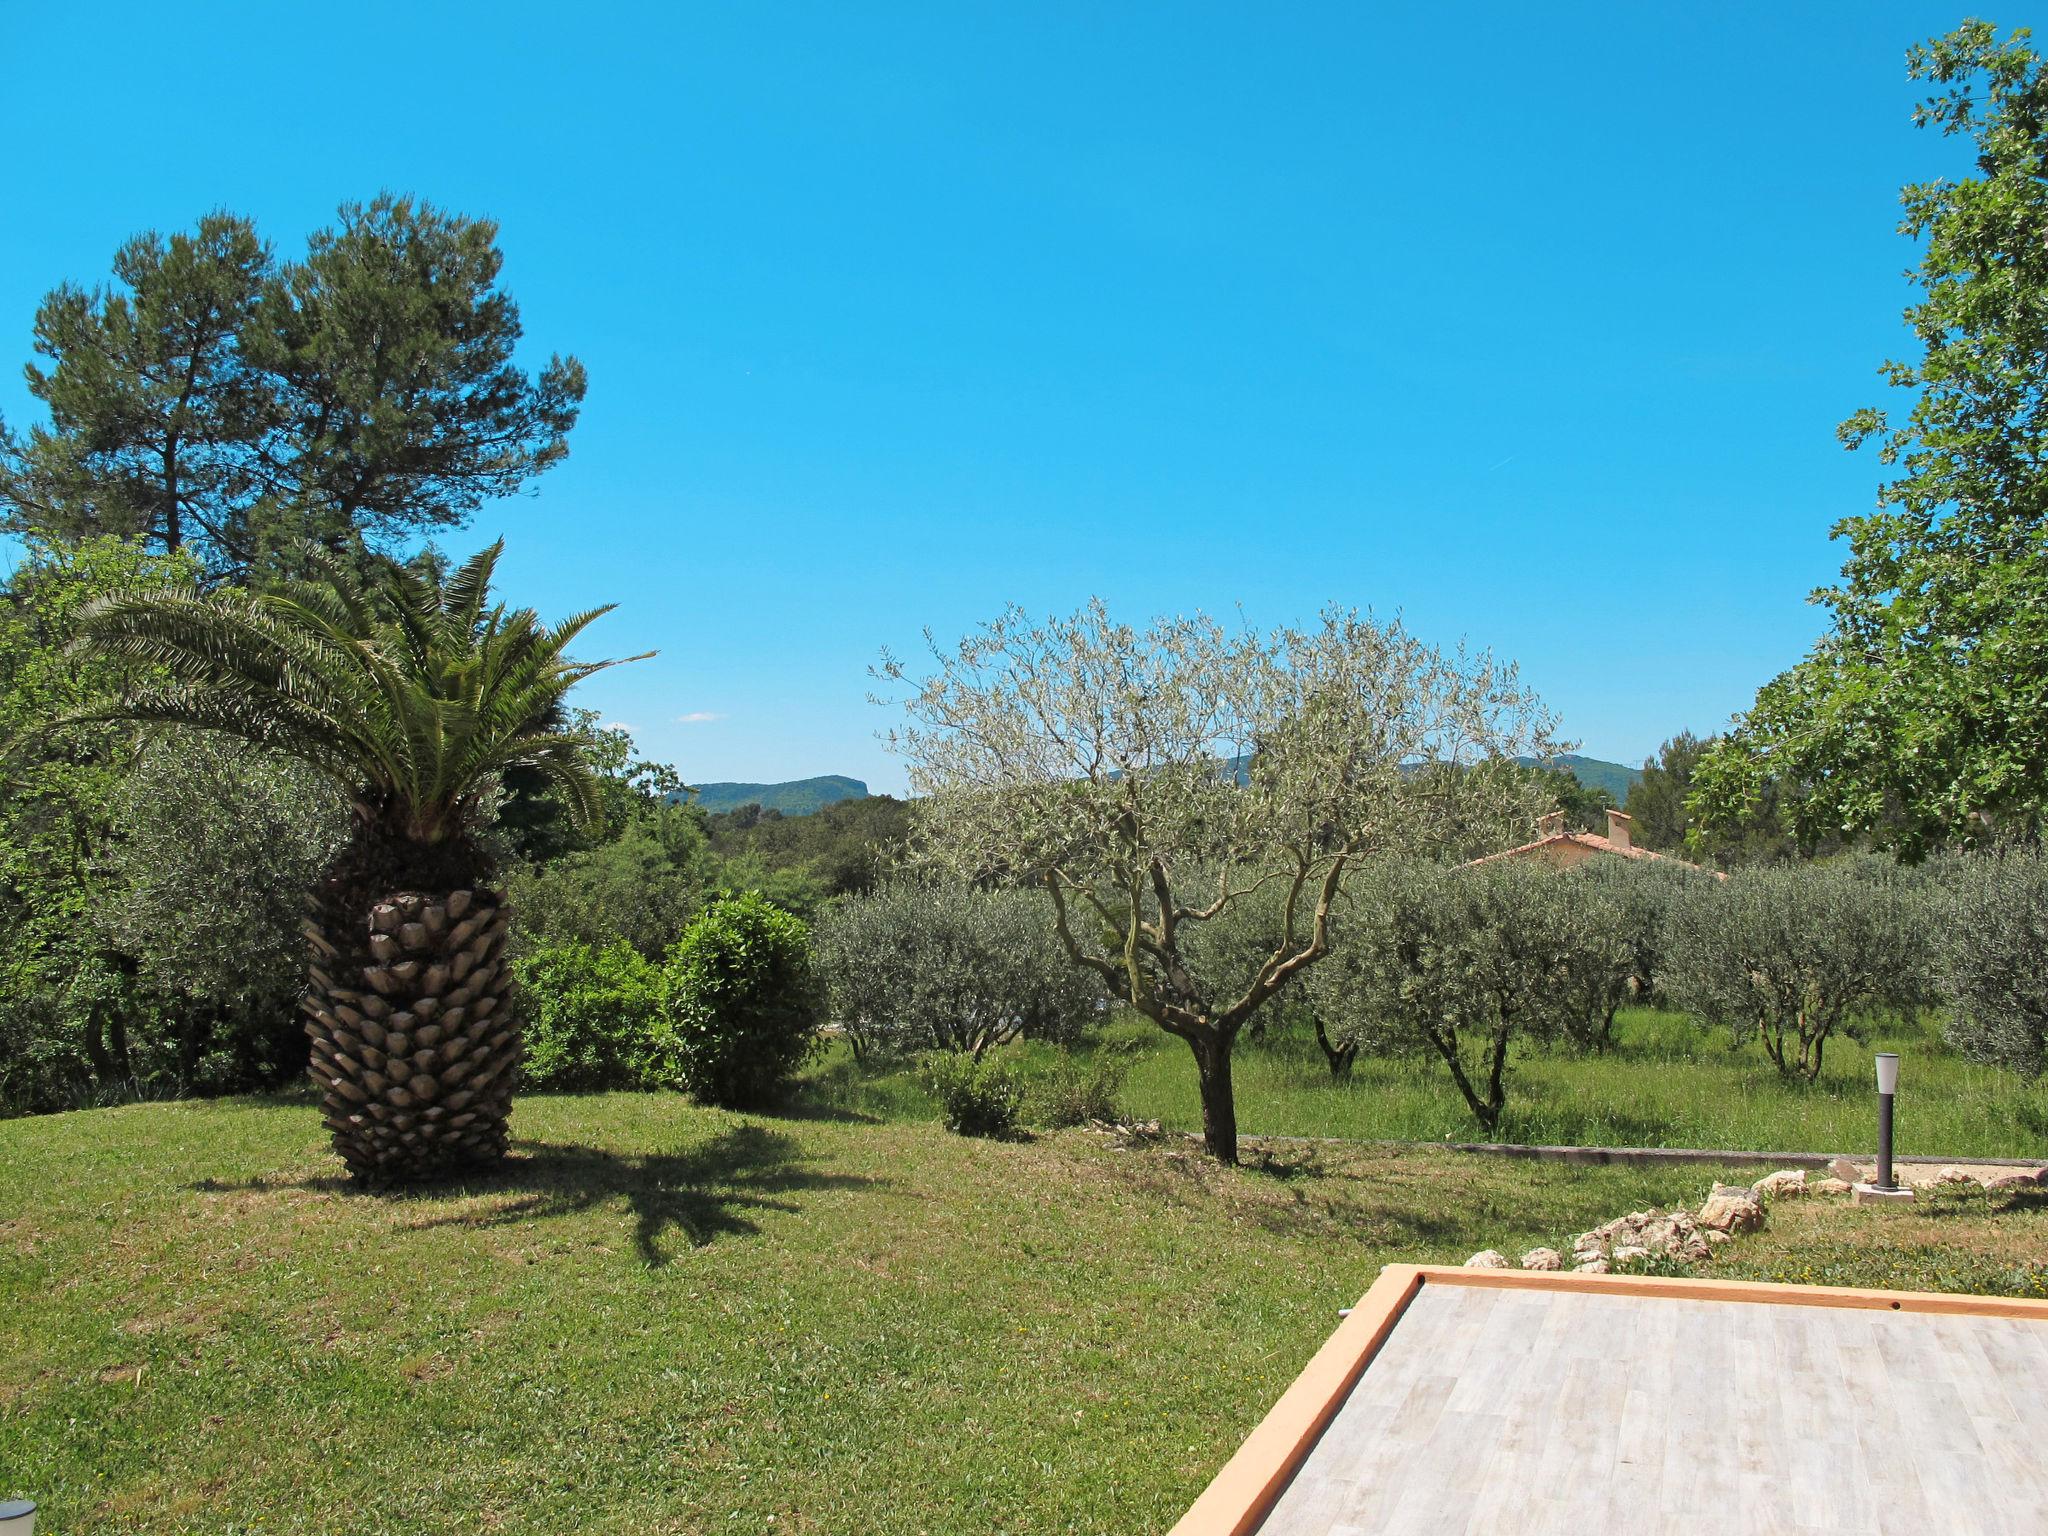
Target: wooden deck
{"points": [[1540, 1404]]}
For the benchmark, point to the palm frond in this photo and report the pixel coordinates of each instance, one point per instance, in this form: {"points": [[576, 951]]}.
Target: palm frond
{"points": [[414, 692]]}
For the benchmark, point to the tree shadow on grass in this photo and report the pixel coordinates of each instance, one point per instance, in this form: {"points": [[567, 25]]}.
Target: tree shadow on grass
{"points": [[712, 1190]]}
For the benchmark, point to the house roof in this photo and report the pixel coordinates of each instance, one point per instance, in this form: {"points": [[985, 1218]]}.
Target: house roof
{"points": [[1591, 840]]}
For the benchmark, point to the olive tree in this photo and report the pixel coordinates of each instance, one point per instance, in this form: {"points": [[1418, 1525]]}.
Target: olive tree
{"points": [[1461, 962], [919, 965], [209, 902], [1148, 780], [1992, 967], [1629, 903], [1790, 954]]}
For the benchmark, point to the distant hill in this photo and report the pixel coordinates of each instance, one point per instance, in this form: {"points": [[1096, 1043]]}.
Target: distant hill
{"points": [[798, 797], [1595, 773]]}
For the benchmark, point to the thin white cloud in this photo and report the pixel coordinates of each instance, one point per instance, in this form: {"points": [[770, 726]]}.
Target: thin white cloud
{"points": [[621, 725], [699, 717]]}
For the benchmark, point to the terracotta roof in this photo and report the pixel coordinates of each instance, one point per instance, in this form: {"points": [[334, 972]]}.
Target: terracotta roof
{"points": [[1596, 843]]}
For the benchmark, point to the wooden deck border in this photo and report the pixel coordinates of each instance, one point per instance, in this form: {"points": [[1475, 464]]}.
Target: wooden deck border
{"points": [[1252, 1480]]}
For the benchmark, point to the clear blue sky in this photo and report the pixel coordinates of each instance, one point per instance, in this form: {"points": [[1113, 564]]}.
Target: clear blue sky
{"points": [[1530, 323]]}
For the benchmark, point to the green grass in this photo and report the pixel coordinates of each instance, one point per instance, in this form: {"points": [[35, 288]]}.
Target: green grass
{"points": [[1953, 1239], [1666, 1083], [667, 1319]]}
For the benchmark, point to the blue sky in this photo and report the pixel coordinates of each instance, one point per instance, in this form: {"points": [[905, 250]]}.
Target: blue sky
{"points": [[1528, 323]]}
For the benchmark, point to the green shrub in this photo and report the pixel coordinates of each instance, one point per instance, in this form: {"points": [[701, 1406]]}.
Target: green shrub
{"points": [[739, 1002], [1081, 1091], [977, 1096], [593, 1019], [643, 887]]}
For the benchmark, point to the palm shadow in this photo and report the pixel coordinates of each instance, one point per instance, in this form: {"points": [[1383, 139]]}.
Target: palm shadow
{"points": [[712, 1190]]}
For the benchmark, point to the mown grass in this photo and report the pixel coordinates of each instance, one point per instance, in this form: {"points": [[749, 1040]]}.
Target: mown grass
{"points": [[1665, 1083], [667, 1319]]}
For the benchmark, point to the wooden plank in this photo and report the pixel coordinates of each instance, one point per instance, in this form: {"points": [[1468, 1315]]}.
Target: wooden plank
{"points": [[1468, 1400]]}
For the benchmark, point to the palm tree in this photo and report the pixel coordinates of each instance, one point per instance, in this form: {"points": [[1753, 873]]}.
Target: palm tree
{"points": [[416, 697]]}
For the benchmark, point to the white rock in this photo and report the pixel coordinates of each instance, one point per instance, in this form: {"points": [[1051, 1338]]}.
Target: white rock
{"points": [[1631, 1251], [1846, 1170], [1543, 1258], [1953, 1176], [1731, 1212], [1488, 1258], [1829, 1187], [1786, 1181], [1715, 1239], [2012, 1181], [1591, 1267]]}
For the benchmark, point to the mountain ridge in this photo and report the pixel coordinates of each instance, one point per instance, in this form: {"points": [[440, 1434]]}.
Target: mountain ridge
{"points": [[792, 797]]}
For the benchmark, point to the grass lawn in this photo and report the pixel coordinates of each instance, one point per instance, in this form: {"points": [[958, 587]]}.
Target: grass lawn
{"points": [[1666, 1083], [669, 1319]]}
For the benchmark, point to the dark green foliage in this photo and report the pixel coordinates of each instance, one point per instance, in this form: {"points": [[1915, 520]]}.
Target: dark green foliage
{"points": [[215, 849], [593, 1019], [1920, 718], [1656, 805], [409, 690], [1613, 780], [537, 824], [917, 965], [213, 400], [838, 850], [1791, 954], [740, 1003], [642, 888], [388, 355], [797, 797], [1992, 933], [1585, 803], [1080, 1089], [978, 1095]]}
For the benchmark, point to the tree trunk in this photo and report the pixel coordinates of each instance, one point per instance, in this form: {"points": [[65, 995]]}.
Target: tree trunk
{"points": [[414, 1043], [1219, 1102], [1485, 1112], [1340, 1057]]}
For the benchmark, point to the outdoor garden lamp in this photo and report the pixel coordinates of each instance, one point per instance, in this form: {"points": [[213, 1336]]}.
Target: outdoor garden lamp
{"points": [[1887, 1089]]}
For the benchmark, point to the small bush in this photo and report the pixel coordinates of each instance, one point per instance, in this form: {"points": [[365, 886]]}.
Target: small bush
{"points": [[739, 1002], [1081, 1092], [593, 1018], [977, 1097]]}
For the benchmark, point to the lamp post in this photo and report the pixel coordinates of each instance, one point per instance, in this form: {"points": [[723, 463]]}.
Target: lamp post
{"points": [[1887, 1091]]}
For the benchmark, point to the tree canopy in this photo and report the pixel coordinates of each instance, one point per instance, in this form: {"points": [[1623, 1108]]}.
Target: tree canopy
{"points": [[214, 400], [1150, 779], [1921, 717]]}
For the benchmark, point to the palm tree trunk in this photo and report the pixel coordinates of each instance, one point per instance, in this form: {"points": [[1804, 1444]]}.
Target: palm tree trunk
{"points": [[414, 1043]]}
